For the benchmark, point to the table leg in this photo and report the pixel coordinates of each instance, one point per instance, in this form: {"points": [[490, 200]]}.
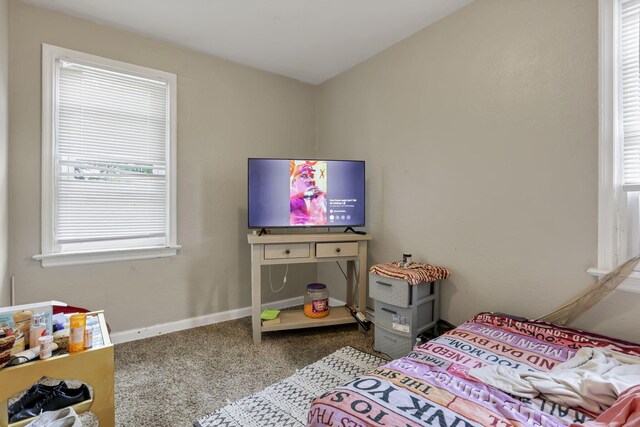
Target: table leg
{"points": [[256, 289], [350, 282], [103, 398], [4, 413], [362, 276]]}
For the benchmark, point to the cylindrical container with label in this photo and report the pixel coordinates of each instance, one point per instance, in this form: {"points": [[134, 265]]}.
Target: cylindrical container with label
{"points": [[316, 301], [406, 259], [20, 344], [22, 321], [38, 329], [88, 336], [46, 346], [77, 323]]}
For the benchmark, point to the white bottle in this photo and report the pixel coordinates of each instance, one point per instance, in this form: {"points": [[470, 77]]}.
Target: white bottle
{"points": [[38, 329], [46, 346]]}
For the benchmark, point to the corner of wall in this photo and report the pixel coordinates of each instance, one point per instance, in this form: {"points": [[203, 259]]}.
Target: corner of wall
{"points": [[316, 136], [5, 290]]}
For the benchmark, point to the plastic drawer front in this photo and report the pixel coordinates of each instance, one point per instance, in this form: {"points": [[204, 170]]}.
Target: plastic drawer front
{"points": [[406, 321], [396, 291], [392, 344]]}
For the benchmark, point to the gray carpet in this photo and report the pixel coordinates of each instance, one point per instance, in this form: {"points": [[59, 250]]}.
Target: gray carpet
{"points": [[173, 379]]}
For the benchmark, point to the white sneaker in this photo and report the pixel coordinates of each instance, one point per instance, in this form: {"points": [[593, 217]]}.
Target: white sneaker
{"points": [[65, 417], [70, 421]]}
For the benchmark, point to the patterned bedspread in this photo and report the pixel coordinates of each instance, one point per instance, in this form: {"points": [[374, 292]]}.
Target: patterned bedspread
{"points": [[430, 386]]}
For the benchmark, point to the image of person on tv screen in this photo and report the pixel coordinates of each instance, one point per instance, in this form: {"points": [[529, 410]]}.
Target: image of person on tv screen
{"points": [[308, 197]]}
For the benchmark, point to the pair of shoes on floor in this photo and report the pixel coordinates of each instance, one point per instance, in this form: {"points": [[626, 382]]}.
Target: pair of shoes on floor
{"points": [[66, 417], [53, 398], [36, 393]]}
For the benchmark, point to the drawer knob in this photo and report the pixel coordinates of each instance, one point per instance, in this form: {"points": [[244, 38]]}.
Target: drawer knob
{"points": [[384, 283], [287, 252], [338, 250]]}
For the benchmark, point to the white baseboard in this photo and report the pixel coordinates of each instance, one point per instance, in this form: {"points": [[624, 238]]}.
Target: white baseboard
{"points": [[207, 319]]}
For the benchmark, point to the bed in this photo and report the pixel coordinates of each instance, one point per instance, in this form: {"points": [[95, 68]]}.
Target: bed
{"points": [[432, 386]]}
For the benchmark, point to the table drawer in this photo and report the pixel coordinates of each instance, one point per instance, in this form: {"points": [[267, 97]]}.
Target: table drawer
{"points": [[286, 250], [336, 249]]}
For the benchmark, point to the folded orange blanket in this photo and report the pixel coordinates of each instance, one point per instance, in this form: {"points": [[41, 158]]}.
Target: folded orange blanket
{"points": [[414, 273]]}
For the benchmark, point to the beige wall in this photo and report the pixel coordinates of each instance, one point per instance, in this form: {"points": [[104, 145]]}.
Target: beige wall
{"points": [[226, 113], [5, 298], [480, 136]]}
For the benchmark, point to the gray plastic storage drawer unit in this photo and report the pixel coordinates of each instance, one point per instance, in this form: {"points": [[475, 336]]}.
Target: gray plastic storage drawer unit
{"points": [[393, 345], [402, 312]]}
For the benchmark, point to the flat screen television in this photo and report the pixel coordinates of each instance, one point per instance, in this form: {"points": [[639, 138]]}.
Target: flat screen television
{"points": [[305, 193]]}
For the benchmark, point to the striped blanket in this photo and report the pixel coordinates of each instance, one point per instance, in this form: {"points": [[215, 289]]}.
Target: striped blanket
{"points": [[414, 273], [430, 387]]}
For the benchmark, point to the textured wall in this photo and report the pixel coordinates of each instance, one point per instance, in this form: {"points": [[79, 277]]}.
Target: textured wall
{"points": [[480, 136], [226, 113], [5, 298]]}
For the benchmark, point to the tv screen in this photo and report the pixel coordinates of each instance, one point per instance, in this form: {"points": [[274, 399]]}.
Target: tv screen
{"points": [[306, 193]]}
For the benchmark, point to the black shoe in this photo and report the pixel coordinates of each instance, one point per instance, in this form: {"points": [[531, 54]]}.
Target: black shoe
{"points": [[36, 393], [64, 396], [58, 398]]}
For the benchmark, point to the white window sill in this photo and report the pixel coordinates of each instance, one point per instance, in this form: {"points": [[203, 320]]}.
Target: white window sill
{"points": [[630, 284], [95, 257]]}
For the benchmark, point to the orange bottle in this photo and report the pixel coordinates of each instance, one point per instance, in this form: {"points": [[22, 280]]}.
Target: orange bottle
{"points": [[77, 324]]}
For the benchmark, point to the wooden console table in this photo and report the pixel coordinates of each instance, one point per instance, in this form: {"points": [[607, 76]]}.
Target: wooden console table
{"points": [[273, 249], [93, 366]]}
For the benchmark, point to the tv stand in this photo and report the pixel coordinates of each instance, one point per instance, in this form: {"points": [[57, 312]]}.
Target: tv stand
{"points": [[262, 231], [354, 231], [277, 249]]}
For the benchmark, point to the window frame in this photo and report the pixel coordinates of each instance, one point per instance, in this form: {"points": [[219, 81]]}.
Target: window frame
{"points": [[48, 257], [612, 204]]}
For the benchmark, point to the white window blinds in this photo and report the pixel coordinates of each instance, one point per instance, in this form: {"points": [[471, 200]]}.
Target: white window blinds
{"points": [[110, 157], [629, 45]]}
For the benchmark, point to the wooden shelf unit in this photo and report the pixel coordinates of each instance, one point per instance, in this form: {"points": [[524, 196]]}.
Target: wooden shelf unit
{"points": [[278, 249], [93, 367]]}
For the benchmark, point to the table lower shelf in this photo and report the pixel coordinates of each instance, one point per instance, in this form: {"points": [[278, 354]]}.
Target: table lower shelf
{"points": [[296, 319]]}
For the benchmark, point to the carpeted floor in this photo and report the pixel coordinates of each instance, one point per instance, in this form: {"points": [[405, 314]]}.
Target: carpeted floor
{"points": [[287, 402], [173, 379]]}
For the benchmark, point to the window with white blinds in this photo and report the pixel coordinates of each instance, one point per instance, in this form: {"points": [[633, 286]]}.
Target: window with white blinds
{"points": [[628, 127], [111, 152], [629, 92]]}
